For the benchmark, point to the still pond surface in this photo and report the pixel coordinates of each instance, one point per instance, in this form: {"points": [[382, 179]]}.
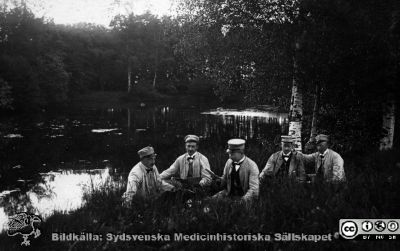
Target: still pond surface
{"points": [[49, 161]]}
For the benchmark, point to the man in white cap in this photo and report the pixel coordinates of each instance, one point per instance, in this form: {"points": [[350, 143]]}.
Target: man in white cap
{"points": [[286, 163], [240, 177], [144, 180], [192, 164], [328, 163]]}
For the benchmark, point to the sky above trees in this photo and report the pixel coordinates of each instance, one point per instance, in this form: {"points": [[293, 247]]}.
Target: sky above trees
{"points": [[96, 11]]}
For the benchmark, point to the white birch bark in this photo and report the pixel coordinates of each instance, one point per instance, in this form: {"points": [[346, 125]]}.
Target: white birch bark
{"points": [[388, 124], [155, 79], [314, 121], [296, 111], [129, 77]]}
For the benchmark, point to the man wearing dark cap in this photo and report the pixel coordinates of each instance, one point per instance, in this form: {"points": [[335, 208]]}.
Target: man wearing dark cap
{"points": [[328, 163], [192, 164], [286, 163], [240, 177], [144, 180]]}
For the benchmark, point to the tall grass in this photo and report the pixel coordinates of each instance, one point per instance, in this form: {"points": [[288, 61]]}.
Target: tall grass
{"points": [[372, 191]]}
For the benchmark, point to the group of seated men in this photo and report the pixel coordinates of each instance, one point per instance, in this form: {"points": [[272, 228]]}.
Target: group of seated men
{"points": [[241, 176]]}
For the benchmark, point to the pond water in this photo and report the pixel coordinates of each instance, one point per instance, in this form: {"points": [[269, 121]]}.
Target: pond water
{"points": [[48, 160]]}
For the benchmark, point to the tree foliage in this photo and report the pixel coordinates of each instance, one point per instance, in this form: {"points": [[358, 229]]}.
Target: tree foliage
{"points": [[348, 48], [48, 64]]}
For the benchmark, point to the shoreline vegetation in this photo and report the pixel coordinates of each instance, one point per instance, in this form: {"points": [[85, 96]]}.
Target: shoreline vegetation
{"points": [[323, 59], [283, 207], [115, 99]]}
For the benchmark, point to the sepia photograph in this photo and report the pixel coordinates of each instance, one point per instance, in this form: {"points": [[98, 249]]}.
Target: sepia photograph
{"points": [[199, 125]]}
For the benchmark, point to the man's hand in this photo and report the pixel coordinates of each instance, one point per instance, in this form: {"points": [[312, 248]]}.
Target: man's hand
{"points": [[177, 185], [263, 178], [213, 175], [239, 201], [127, 201]]}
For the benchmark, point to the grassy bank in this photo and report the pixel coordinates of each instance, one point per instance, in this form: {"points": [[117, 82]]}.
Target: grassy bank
{"points": [[372, 191]]}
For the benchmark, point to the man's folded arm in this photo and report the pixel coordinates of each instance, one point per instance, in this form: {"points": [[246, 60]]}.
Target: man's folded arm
{"points": [[171, 171]]}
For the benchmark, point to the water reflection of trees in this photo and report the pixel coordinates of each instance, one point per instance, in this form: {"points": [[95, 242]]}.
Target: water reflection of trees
{"points": [[242, 126], [178, 122]]}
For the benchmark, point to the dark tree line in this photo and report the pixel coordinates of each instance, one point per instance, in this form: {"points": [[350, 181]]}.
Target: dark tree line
{"points": [[44, 64], [342, 57]]}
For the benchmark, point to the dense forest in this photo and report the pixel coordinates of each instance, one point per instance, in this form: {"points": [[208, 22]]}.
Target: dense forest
{"points": [[341, 57], [44, 64]]}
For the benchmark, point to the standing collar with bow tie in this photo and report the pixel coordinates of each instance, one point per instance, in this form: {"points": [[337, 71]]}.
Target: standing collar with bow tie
{"points": [[239, 162], [191, 157], [236, 165], [322, 155], [147, 168]]}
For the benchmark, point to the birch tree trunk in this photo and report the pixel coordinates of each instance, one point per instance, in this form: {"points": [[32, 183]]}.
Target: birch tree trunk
{"points": [[155, 69], [389, 107], [129, 119], [388, 124], [129, 70], [155, 78], [314, 121], [157, 43], [129, 77], [296, 110]]}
